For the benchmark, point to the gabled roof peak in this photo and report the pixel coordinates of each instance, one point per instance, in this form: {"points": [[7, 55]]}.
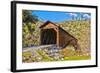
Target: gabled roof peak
{"points": [[47, 22]]}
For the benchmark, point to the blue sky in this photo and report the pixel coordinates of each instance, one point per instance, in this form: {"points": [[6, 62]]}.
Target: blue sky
{"points": [[59, 16]]}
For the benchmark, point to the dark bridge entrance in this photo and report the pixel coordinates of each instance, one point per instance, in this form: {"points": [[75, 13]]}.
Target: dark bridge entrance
{"points": [[48, 36]]}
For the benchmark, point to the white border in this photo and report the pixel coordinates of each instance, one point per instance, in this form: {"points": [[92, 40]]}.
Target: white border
{"points": [[21, 65]]}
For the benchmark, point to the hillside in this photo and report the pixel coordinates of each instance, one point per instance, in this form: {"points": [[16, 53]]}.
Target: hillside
{"points": [[79, 29]]}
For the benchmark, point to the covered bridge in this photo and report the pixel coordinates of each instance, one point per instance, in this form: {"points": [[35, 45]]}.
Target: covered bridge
{"points": [[51, 33]]}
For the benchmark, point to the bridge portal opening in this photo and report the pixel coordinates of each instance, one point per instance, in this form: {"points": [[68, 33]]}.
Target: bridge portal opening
{"points": [[48, 36]]}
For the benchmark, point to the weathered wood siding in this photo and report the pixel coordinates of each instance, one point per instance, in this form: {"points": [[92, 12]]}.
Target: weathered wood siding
{"points": [[58, 35]]}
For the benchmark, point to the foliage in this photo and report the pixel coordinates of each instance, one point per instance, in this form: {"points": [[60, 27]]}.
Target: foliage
{"points": [[30, 32], [40, 55], [80, 30], [30, 37], [45, 57], [28, 17]]}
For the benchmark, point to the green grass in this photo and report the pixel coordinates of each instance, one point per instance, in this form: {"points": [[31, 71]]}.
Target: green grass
{"points": [[77, 58], [44, 56], [68, 55], [26, 54]]}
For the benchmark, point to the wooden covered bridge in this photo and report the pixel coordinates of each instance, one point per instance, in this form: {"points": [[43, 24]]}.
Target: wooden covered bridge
{"points": [[52, 33]]}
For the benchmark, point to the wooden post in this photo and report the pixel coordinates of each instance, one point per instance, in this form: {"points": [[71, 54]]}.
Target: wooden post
{"points": [[41, 37], [57, 37]]}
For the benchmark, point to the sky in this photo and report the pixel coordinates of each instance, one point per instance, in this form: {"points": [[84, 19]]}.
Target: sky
{"points": [[59, 16]]}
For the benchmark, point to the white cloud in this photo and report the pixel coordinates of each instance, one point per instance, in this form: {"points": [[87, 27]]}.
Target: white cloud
{"points": [[73, 14], [86, 16]]}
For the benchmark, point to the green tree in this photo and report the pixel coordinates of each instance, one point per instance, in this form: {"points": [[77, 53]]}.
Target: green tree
{"points": [[28, 17], [29, 26]]}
